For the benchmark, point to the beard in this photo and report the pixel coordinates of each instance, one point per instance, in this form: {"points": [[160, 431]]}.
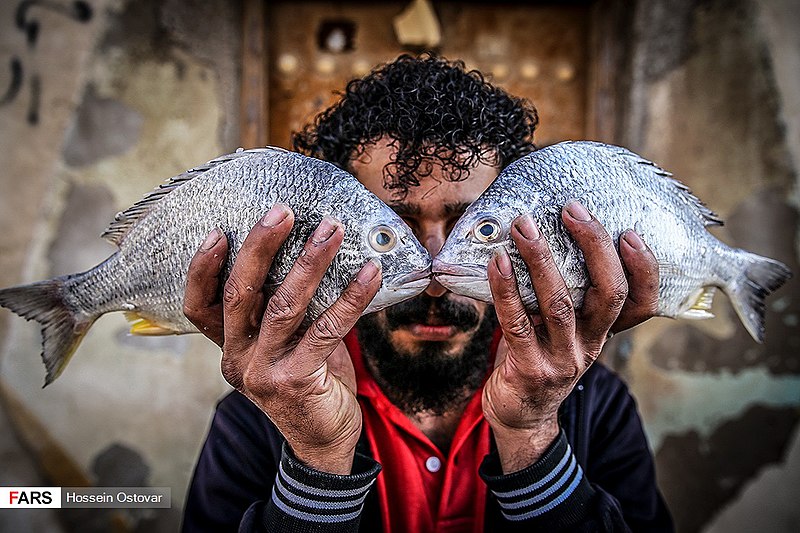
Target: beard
{"points": [[433, 378]]}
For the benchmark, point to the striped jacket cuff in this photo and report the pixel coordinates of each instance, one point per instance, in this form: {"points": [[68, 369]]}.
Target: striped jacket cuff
{"points": [[552, 493], [302, 495]]}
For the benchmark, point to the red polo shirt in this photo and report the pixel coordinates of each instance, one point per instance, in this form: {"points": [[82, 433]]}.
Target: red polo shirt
{"points": [[420, 489]]}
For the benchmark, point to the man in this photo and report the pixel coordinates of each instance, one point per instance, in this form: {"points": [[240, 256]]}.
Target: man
{"points": [[481, 418]]}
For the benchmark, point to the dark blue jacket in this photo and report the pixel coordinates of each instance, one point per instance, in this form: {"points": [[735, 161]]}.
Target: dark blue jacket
{"points": [[610, 486]]}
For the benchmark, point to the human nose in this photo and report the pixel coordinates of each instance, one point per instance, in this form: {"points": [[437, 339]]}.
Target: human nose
{"points": [[433, 240]]}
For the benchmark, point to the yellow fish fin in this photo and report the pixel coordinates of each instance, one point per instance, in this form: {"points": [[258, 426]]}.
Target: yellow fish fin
{"points": [[701, 308], [145, 326]]}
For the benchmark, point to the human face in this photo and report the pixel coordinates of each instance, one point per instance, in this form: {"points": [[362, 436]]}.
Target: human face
{"points": [[430, 209]]}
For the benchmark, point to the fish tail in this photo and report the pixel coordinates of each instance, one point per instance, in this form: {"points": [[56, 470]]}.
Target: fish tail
{"points": [[62, 327], [760, 277]]}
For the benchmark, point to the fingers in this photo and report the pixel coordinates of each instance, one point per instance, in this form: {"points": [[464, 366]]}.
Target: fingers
{"points": [[287, 307], [328, 330], [511, 313], [242, 295], [608, 286], [642, 268], [555, 304], [200, 301]]}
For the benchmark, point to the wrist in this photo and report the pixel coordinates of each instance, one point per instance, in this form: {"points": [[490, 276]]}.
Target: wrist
{"points": [[336, 461], [519, 448]]}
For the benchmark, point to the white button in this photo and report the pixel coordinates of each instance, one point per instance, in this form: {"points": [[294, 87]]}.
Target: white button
{"points": [[433, 464]]}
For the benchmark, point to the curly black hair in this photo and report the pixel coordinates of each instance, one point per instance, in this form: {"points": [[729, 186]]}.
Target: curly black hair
{"points": [[433, 109]]}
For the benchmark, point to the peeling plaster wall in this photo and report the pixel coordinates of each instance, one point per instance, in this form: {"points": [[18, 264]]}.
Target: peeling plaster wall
{"points": [[714, 99], [103, 109], [127, 96]]}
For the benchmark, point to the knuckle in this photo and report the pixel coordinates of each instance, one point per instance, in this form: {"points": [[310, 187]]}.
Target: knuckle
{"points": [[520, 325], [232, 293], [253, 382], [327, 329], [559, 308], [232, 373], [618, 292], [567, 372], [261, 382], [282, 307], [350, 300]]}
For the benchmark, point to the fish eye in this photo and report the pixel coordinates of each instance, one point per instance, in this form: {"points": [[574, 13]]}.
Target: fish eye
{"points": [[487, 230], [382, 239]]}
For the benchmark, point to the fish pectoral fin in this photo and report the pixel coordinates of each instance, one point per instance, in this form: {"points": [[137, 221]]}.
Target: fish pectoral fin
{"points": [[145, 326], [701, 308]]}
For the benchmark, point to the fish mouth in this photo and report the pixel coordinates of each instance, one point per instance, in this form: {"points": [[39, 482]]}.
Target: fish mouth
{"points": [[412, 280], [442, 270], [467, 280], [400, 288]]}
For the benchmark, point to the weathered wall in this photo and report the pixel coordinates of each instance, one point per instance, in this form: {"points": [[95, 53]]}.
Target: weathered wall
{"points": [[714, 92], [106, 100], [95, 110]]}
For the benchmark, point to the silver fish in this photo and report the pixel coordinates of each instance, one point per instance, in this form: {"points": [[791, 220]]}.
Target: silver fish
{"points": [[623, 191], [158, 236]]}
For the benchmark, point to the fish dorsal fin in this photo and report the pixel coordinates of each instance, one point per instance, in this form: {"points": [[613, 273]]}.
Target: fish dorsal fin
{"points": [[709, 217], [117, 230]]}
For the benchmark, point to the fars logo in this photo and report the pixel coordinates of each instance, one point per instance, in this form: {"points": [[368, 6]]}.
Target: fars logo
{"points": [[16, 497]]}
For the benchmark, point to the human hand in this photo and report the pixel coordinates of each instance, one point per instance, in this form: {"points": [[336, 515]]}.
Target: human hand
{"points": [[303, 381], [541, 357]]}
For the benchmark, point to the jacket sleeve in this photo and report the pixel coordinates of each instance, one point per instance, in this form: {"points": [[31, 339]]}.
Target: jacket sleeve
{"points": [[247, 479], [304, 499], [598, 476]]}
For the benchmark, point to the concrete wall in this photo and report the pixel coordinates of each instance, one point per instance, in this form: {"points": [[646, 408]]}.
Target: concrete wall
{"points": [[97, 109], [714, 95], [107, 103]]}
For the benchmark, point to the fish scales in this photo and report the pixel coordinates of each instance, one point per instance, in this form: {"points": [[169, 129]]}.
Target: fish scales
{"points": [[623, 191], [158, 236]]}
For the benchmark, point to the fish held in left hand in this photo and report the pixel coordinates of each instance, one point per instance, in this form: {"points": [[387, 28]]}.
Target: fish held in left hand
{"points": [[623, 191], [158, 236]]}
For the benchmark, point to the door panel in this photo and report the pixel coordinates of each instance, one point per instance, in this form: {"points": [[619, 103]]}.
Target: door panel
{"points": [[534, 51]]}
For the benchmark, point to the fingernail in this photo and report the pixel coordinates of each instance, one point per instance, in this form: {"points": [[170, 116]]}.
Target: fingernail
{"points": [[212, 239], [633, 240], [325, 230], [275, 216], [503, 263], [578, 212], [368, 271], [527, 227]]}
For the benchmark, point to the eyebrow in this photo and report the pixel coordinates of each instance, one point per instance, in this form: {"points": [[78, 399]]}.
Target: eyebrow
{"points": [[405, 209], [456, 208]]}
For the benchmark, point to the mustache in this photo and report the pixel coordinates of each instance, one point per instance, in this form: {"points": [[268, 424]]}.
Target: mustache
{"points": [[450, 312]]}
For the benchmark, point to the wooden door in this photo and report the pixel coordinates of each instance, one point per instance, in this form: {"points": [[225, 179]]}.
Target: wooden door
{"points": [[541, 51]]}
